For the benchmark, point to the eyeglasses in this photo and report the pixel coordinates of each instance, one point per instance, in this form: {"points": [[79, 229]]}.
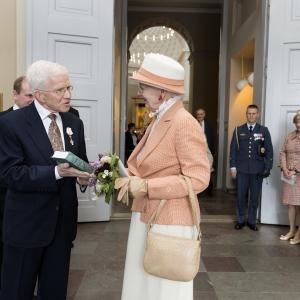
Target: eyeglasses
{"points": [[141, 88], [61, 92]]}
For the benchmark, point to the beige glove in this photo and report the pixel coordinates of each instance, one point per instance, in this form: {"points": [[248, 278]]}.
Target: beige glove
{"points": [[134, 186], [122, 184], [137, 187]]}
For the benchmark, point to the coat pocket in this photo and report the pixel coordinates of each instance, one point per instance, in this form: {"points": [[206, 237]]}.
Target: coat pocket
{"points": [[18, 206]]}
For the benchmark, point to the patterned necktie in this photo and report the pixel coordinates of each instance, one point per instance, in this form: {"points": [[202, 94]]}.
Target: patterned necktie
{"points": [[250, 129], [54, 134]]}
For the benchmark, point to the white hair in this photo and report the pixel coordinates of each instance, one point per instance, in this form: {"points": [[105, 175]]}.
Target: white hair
{"points": [[39, 72]]}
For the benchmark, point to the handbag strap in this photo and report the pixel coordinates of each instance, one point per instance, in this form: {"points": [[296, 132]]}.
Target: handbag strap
{"points": [[237, 138], [156, 213]]}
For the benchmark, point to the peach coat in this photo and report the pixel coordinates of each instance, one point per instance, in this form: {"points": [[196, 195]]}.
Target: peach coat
{"points": [[176, 146], [290, 158]]}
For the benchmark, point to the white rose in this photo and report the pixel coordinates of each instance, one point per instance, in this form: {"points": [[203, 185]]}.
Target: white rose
{"points": [[105, 159]]}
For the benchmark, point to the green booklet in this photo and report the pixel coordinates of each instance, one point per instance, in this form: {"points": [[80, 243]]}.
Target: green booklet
{"points": [[73, 160]]}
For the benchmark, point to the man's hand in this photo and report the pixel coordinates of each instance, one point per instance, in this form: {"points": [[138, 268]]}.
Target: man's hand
{"points": [[233, 173], [64, 170], [265, 173]]}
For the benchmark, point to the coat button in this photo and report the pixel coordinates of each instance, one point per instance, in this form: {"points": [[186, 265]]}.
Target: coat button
{"points": [[56, 207], [168, 189], [144, 209], [249, 155]]}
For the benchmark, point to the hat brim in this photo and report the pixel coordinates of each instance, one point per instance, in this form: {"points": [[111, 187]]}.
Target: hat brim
{"points": [[178, 89]]}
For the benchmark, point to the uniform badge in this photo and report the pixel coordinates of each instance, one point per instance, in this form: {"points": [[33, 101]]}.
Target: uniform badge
{"points": [[242, 134], [262, 150]]}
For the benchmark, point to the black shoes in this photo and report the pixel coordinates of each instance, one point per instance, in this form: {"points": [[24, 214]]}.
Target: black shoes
{"points": [[252, 226], [239, 226]]}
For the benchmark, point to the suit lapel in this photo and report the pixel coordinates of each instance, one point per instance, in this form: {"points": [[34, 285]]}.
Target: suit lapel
{"points": [[38, 134], [67, 122], [159, 132]]}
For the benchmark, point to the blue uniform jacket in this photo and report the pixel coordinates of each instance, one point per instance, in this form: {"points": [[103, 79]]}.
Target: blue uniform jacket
{"points": [[247, 156]]}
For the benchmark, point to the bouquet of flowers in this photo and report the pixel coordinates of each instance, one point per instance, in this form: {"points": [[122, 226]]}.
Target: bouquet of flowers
{"points": [[105, 173]]}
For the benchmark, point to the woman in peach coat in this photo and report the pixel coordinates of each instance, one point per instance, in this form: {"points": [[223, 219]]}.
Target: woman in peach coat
{"points": [[173, 144], [290, 166]]}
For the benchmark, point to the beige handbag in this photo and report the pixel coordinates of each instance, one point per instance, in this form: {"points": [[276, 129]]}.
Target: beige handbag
{"points": [[172, 257]]}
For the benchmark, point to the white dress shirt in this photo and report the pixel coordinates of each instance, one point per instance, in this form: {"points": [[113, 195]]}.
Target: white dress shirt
{"points": [[44, 113]]}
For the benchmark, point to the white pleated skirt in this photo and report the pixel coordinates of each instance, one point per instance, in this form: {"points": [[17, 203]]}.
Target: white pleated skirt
{"points": [[137, 283]]}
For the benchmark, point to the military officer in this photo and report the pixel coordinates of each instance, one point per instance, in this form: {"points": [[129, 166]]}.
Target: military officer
{"points": [[251, 158]]}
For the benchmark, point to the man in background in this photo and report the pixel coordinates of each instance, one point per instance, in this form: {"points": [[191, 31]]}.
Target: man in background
{"points": [[23, 97], [251, 159], [208, 129]]}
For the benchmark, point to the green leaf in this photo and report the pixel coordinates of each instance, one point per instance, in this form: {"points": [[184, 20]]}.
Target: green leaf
{"points": [[108, 196]]}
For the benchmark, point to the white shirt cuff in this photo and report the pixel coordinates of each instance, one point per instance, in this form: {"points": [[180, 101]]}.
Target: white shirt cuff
{"points": [[56, 174]]}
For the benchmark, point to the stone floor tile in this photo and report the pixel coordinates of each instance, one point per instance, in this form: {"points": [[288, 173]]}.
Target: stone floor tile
{"points": [[281, 296], [94, 227], [113, 242], [262, 230], [202, 266], [202, 283], [228, 282], [102, 281], [222, 264], [80, 261], [265, 239], [107, 261], [205, 296], [228, 239], [240, 296], [203, 211], [71, 294], [214, 205], [75, 279], [220, 228], [279, 229], [288, 264], [83, 236], [273, 282], [207, 200], [84, 247], [259, 264], [117, 226], [98, 295], [220, 212], [281, 250], [233, 250]]}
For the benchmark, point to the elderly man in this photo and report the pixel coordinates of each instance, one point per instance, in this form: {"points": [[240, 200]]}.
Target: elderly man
{"points": [[40, 218]]}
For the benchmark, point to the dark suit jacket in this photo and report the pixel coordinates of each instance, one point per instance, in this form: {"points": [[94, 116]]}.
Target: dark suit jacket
{"points": [[128, 141], [2, 188], [74, 111], [34, 196], [246, 155], [210, 136]]}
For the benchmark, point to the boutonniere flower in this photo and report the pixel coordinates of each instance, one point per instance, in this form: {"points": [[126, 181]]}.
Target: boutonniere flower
{"points": [[69, 133]]}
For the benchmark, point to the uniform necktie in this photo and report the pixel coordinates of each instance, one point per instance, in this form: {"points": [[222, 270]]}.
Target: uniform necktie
{"points": [[250, 129], [54, 134]]}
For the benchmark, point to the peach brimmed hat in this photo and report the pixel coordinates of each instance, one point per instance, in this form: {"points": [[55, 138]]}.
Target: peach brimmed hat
{"points": [[162, 72]]}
